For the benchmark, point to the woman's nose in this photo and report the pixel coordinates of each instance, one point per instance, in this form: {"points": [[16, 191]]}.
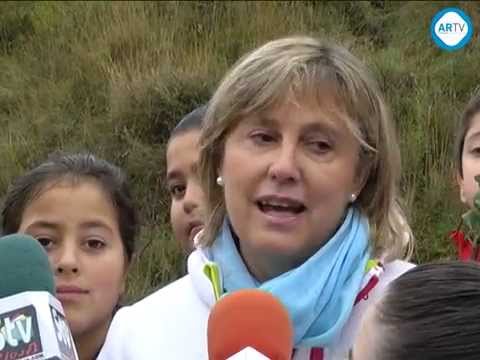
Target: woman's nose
{"points": [[284, 167]]}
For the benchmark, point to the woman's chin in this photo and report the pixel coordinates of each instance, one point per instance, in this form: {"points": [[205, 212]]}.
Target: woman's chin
{"points": [[280, 246]]}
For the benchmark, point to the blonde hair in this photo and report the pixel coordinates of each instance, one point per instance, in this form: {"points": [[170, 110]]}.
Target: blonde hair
{"points": [[306, 66]]}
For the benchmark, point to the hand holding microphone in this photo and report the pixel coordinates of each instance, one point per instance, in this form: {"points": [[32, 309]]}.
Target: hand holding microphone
{"points": [[249, 324], [32, 321]]}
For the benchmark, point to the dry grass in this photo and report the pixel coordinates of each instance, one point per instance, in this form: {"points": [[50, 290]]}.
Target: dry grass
{"points": [[114, 77]]}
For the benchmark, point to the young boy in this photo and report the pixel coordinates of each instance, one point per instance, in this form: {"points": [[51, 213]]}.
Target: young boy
{"points": [[187, 197]]}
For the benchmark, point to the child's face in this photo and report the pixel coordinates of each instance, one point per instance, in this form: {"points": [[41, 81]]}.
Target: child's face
{"points": [[470, 162], [78, 227], [188, 200]]}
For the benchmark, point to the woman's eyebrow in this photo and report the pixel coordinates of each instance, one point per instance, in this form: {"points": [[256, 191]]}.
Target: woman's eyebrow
{"points": [[317, 127]]}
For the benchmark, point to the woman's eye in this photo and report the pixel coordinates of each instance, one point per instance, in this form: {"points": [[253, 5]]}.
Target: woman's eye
{"points": [[320, 146], [262, 137], [95, 244]]}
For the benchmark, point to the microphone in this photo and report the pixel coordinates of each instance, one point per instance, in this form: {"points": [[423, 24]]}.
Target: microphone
{"points": [[32, 320], [249, 324]]}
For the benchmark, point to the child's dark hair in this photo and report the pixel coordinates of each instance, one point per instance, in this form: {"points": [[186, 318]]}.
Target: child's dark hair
{"points": [[472, 108], [75, 168], [431, 312], [191, 121]]}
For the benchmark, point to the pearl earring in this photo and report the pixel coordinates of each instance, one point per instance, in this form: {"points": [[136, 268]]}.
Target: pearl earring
{"points": [[353, 197], [219, 181]]}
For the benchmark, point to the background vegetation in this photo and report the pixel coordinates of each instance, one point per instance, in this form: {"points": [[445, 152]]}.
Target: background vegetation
{"points": [[114, 78]]}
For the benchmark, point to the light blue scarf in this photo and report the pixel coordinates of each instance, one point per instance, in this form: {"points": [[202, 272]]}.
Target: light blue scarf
{"points": [[319, 294]]}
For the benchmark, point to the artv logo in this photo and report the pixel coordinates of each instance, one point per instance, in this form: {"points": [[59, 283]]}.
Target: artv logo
{"points": [[451, 29]]}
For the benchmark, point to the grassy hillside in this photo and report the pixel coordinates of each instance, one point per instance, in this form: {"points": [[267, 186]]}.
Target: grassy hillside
{"points": [[114, 78]]}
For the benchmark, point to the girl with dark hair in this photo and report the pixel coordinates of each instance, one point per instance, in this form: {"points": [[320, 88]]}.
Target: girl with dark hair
{"points": [[80, 209]]}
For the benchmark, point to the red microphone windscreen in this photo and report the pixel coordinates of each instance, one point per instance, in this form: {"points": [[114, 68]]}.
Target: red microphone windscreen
{"points": [[252, 318]]}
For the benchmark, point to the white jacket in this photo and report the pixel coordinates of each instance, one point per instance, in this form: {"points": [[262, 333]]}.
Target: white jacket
{"points": [[172, 322]]}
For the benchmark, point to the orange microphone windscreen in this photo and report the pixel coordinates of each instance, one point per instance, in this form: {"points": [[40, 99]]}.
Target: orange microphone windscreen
{"points": [[252, 318]]}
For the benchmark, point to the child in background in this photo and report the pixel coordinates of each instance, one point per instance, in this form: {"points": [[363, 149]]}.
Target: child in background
{"points": [[467, 150], [80, 209], [429, 313], [467, 166], [187, 197]]}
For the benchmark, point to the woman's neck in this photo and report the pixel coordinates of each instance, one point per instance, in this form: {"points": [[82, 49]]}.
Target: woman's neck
{"points": [[268, 265], [89, 344], [264, 266]]}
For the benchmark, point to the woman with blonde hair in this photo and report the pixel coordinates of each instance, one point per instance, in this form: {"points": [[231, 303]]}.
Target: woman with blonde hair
{"points": [[300, 166]]}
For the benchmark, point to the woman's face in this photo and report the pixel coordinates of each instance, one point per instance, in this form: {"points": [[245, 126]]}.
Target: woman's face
{"points": [[78, 227], [470, 162], [289, 175]]}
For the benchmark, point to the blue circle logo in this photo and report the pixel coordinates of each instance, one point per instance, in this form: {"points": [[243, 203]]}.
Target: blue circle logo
{"points": [[451, 29]]}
